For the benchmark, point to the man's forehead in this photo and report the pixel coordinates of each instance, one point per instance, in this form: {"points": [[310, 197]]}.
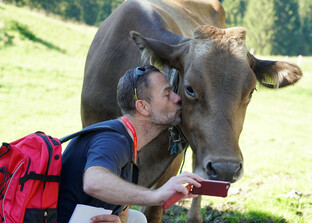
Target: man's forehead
{"points": [[159, 80]]}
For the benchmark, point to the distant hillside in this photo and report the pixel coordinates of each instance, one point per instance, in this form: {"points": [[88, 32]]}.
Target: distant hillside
{"points": [[41, 69], [23, 28]]}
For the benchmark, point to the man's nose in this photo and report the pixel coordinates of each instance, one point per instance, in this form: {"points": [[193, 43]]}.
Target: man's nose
{"points": [[176, 98]]}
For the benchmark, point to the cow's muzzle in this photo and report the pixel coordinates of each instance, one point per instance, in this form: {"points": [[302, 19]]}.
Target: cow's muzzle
{"points": [[224, 170]]}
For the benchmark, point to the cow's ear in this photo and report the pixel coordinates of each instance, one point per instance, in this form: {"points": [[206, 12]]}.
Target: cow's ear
{"points": [[159, 53], [274, 74]]}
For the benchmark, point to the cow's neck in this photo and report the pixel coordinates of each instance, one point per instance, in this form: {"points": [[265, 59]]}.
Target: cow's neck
{"points": [[145, 130]]}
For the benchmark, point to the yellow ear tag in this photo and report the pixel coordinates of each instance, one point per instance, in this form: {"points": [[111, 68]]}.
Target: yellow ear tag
{"points": [[156, 63], [267, 79]]}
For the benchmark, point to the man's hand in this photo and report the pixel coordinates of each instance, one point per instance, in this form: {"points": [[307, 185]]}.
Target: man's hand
{"points": [[177, 184], [105, 218]]}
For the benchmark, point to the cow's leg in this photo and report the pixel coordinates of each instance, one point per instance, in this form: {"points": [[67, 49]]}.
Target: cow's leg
{"points": [[154, 213], [194, 214]]}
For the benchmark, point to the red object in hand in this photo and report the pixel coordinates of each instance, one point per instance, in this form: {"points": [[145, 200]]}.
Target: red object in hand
{"points": [[174, 198], [212, 188], [208, 187]]}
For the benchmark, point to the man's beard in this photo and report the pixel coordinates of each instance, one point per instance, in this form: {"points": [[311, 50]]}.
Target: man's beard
{"points": [[165, 119]]}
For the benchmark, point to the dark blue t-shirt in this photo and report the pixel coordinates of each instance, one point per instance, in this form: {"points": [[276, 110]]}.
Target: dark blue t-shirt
{"points": [[109, 149]]}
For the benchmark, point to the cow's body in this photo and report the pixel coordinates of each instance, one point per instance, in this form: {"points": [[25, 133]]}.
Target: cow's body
{"points": [[217, 78]]}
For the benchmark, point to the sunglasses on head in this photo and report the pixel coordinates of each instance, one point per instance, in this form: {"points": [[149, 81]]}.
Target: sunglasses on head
{"points": [[138, 71]]}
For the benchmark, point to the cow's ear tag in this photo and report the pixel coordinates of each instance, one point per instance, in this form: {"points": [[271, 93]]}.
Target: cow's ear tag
{"points": [[156, 62], [268, 79]]}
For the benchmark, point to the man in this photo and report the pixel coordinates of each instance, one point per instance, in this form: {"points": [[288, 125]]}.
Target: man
{"points": [[95, 169]]}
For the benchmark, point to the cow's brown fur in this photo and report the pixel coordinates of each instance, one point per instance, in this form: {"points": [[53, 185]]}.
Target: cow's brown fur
{"points": [[216, 64]]}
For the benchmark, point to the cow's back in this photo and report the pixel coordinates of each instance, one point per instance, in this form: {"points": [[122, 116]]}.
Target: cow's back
{"points": [[112, 53], [189, 14]]}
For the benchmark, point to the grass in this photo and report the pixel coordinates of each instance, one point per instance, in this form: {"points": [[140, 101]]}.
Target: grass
{"points": [[41, 71]]}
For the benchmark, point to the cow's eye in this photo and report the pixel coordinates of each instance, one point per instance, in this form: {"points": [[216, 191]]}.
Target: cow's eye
{"points": [[252, 91], [189, 91]]}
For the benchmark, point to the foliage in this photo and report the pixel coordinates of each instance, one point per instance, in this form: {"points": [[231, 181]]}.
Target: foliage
{"points": [[91, 12], [274, 27], [276, 32], [235, 12], [286, 28], [305, 9], [260, 31]]}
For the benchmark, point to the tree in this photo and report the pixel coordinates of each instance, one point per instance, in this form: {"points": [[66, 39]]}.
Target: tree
{"points": [[286, 28], [73, 10], [273, 26], [90, 11], [106, 7], [116, 3], [235, 12], [305, 9], [259, 21]]}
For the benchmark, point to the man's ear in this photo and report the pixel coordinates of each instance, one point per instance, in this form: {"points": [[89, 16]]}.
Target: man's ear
{"points": [[142, 107]]}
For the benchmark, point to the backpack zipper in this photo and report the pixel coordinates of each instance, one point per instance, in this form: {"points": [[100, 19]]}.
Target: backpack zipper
{"points": [[50, 151]]}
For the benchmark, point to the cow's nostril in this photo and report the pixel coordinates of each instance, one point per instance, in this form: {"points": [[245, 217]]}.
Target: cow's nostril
{"points": [[211, 171], [238, 173]]}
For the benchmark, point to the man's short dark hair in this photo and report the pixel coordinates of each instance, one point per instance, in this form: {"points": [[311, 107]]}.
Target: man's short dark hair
{"points": [[125, 89]]}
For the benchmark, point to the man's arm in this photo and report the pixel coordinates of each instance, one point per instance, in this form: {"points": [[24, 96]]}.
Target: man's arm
{"points": [[102, 184]]}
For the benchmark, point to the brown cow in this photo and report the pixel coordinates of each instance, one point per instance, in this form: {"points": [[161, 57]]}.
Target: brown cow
{"points": [[217, 78]]}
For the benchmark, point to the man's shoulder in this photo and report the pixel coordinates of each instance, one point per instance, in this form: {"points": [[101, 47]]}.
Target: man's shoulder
{"points": [[113, 125], [112, 130]]}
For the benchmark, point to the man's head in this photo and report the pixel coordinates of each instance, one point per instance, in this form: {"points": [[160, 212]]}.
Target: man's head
{"points": [[145, 90]]}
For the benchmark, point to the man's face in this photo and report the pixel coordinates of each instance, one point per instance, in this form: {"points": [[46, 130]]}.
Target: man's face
{"points": [[165, 104]]}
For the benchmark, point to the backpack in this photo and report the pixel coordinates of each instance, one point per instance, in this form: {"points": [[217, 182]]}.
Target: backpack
{"points": [[30, 170]]}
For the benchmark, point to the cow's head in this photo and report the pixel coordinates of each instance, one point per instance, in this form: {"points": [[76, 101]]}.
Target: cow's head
{"points": [[217, 79]]}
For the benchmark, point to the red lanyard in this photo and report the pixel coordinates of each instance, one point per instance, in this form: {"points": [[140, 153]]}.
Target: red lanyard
{"points": [[135, 140]]}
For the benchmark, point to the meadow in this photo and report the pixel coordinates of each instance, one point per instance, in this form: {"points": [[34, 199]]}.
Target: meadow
{"points": [[41, 71]]}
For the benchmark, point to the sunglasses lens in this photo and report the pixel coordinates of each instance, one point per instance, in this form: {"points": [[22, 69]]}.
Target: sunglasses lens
{"points": [[137, 72]]}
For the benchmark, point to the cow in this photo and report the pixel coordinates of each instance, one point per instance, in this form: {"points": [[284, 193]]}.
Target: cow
{"points": [[217, 77]]}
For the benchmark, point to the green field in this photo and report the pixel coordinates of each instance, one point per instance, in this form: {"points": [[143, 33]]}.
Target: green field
{"points": [[41, 71]]}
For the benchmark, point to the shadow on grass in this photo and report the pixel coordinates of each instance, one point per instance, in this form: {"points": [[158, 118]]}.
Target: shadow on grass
{"points": [[25, 32], [178, 214]]}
